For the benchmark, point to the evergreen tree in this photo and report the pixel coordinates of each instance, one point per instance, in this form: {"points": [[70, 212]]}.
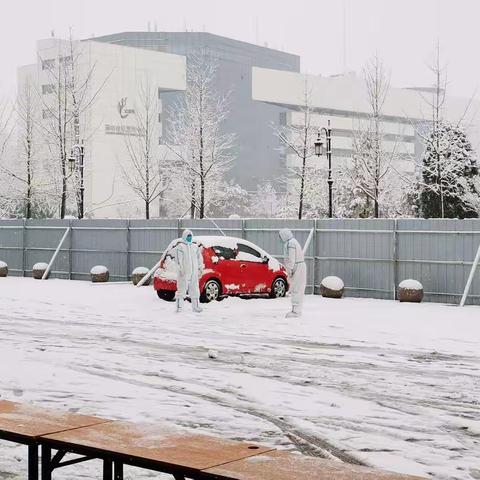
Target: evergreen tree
{"points": [[448, 171]]}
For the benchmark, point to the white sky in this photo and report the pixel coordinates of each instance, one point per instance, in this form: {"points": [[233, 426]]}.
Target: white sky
{"points": [[404, 32]]}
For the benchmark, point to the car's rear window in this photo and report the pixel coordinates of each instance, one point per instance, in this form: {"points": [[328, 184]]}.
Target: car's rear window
{"points": [[224, 252]]}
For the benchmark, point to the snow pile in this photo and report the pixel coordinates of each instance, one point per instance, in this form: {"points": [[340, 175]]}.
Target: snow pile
{"points": [[140, 271], [232, 286], [333, 283], [214, 259], [209, 241], [411, 284], [99, 270], [212, 354], [40, 266], [3, 264]]}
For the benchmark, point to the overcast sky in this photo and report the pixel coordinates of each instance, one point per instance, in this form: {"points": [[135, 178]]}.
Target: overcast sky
{"points": [[404, 32]]}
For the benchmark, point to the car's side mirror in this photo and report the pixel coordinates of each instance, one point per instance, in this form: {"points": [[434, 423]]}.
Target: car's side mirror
{"points": [[265, 259]]}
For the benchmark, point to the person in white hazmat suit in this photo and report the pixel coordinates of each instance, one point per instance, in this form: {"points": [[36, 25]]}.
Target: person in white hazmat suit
{"points": [[189, 260], [294, 262]]}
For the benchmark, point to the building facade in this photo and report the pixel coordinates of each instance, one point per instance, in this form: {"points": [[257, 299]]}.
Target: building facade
{"points": [[95, 93], [343, 100], [251, 121]]}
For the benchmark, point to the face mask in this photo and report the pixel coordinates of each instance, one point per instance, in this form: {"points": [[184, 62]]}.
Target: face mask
{"points": [[189, 239]]}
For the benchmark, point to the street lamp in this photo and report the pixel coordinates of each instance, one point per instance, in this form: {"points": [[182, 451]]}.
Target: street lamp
{"points": [[320, 150], [76, 161]]}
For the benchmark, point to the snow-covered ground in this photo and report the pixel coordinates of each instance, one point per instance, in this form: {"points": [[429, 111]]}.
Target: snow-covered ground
{"points": [[394, 385]]}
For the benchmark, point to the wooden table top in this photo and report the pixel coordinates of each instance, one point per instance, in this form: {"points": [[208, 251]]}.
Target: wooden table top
{"points": [[281, 465], [164, 444], [32, 422]]}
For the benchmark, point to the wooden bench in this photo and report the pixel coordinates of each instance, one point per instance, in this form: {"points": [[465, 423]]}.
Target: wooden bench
{"points": [[26, 424], [162, 448], [281, 465]]}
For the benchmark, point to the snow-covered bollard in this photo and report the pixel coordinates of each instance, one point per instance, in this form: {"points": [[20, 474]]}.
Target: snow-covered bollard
{"points": [[38, 270], [99, 274], [138, 274], [332, 287], [3, 269], [410, 291]]}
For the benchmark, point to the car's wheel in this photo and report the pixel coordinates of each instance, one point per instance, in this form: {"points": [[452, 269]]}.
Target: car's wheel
{"points": [[211, 292], [279, 288], [166, 295]]}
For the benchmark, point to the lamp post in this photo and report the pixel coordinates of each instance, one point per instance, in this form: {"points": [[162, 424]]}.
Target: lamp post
{"points": [[320, 150], [76, 161]]}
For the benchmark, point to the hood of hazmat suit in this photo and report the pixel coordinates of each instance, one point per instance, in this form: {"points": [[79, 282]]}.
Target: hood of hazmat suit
{"points": [[285, 234]]}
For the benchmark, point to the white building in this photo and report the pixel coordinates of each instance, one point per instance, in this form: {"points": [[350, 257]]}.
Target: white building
{"points": [[112, 82], [343, 100]]}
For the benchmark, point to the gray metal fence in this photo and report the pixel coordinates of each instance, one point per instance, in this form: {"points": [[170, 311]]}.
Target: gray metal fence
{"points": [[371, 256]]}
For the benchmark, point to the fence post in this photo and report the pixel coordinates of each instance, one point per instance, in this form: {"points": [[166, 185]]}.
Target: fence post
{"points": [[70, 268], [128, 266], [314, 246], [179, 228], [24, 253], [395, 259]]}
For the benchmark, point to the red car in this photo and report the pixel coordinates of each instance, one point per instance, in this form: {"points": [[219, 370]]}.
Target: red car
{"points": [[233, 267]]}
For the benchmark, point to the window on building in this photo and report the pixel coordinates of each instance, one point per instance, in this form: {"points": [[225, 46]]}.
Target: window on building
{"points": [[48, 88], [48, 64], [66, 60]]}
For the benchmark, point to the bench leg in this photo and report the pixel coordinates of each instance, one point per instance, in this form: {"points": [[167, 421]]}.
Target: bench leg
{"points": [[118, 471], [33, 462], [46, 463], [107, 469]]}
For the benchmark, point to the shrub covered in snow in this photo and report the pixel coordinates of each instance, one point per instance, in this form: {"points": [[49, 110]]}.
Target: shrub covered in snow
{"points": [[3, 269], [138, 273], [99, 273], [332, 287], [38, 270], [410, 291]]}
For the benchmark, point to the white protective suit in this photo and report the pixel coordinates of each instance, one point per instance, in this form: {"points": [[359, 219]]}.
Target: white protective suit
{"points": [[189, 260], [294, 261]]}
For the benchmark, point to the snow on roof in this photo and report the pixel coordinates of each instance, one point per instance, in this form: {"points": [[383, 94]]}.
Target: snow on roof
{"points": [[227, 242]]}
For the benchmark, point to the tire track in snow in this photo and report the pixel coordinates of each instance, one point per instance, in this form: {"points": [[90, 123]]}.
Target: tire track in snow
{"points": [[307, 443]]}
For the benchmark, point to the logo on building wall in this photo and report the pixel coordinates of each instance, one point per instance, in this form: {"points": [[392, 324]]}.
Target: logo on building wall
{"points": [[122, 108]]}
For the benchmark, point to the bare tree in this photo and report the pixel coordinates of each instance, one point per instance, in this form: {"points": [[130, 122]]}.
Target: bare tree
{"points": [[202, 152], [370, 172], [65, 101], [27, 111], [297, 138], [6, 200], [146, 171]]}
